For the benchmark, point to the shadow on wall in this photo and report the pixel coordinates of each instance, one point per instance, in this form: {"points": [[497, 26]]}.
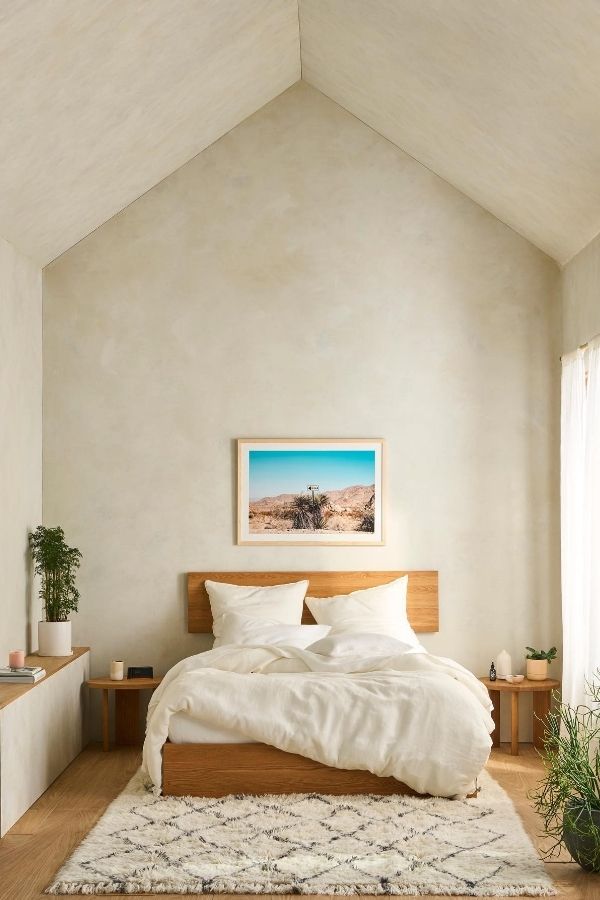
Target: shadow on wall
{"points": [[182, 591], [30, 599]]}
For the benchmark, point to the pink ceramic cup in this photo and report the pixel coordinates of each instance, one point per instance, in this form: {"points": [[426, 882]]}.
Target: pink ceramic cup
{"points": [[16, 659]]}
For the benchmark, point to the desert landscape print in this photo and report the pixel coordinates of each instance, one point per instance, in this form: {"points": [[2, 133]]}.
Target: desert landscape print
{"points": [[315, 492]]}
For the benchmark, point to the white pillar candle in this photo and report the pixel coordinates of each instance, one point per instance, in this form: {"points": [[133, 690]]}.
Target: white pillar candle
{"points": [[503, 664], [116, 670]]}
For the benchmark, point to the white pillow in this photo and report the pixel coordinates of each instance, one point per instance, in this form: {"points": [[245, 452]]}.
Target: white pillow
{"points": [[280, 603], [237, 629], [376, 610], [360, 645]]}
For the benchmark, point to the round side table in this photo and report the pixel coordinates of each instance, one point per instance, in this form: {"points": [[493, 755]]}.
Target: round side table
{"points": [[127, 707], [542, 699]]}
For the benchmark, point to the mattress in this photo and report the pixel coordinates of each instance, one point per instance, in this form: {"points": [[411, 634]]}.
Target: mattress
{"points": [[183, 729]]}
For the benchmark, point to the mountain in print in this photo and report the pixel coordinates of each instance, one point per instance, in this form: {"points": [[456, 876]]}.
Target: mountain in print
{"points": [[347, 509]]}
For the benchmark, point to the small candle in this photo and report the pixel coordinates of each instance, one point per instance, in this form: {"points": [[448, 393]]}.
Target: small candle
{"points": [[116, 670], [16, 659]]}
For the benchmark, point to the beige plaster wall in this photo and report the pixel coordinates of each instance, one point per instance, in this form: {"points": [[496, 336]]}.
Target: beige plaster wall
{"points": [[20, 444], [581, 297], [304, 277]]}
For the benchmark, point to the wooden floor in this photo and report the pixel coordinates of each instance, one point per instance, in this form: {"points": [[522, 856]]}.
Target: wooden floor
{"points": [[36, 846]]}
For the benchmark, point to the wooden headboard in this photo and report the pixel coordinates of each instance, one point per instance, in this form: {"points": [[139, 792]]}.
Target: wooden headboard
{"points": [[422, 597]]}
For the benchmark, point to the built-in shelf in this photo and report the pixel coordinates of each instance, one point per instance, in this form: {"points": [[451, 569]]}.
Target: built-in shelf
{"points": [[42, 729], [52, 665]]}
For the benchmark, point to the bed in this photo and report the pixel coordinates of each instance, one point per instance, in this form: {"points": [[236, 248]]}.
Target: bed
{"points": [[218, 768]]}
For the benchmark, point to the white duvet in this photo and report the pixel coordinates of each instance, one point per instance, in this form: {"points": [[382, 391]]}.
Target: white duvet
{"points": [[419, 718]]}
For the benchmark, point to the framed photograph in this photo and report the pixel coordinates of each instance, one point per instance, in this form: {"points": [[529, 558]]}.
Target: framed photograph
{"points": [[310, 492]]}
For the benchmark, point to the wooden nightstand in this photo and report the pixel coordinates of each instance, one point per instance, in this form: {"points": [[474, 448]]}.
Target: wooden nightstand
{"points": [[542, 697], [127, 707]]}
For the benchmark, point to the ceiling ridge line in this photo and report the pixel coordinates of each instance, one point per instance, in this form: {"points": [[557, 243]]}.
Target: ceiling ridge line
{"points": [[563, 265], [441, 177], [299, 37], [148, 190]]}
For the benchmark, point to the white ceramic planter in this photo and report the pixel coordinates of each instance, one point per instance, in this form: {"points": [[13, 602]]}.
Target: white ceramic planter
{"points": [[537, 669], [54, 639]]}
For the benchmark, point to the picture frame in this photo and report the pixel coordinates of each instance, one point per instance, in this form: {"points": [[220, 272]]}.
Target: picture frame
{"points": [[310, 492]]}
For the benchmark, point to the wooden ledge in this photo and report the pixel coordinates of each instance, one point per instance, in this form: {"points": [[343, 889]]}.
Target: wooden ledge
{"points": [[52, 665], [125, 684], [503, 686]]}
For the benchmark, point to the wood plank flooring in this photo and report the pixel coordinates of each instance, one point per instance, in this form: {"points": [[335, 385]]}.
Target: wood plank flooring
{"points": [[36, 846]]}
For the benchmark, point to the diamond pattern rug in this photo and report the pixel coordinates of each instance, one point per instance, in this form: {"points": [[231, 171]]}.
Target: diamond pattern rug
{"points": [[306, 844]]}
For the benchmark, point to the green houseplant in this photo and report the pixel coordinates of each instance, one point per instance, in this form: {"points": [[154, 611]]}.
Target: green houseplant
{"points": [[56, 563], [537, 663], [568, 797], [307, 511]]}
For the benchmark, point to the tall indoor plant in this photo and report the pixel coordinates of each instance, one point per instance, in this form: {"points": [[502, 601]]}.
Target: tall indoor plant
{"points": [[568, 797], [56, 563]]}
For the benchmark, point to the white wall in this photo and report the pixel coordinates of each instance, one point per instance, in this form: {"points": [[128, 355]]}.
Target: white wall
{"points": [[20, 444], [581, 297], [304, 277]]}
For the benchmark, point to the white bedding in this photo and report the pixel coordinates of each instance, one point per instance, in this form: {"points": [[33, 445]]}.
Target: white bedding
{"points": [[422, 719], [185, 729]]}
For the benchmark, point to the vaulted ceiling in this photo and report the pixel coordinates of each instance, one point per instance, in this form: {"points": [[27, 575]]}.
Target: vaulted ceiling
{"points": [[499, 97], [102, 99]]}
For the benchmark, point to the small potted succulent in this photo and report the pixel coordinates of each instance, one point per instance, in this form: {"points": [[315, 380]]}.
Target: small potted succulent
{"points": [[537, 663], [56, 563], [568, 797]]}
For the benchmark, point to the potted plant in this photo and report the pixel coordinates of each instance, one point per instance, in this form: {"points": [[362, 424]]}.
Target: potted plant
{"points": [[56, 563], [568, 797], [537, 663]]}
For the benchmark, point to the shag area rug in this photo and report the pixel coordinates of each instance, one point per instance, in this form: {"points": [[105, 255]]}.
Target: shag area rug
{"points": [[306, 844]]}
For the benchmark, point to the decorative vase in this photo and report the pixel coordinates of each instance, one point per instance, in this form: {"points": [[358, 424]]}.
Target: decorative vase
{"points": [[54, 639], [537, 669], [581, 834], [503, 664]]}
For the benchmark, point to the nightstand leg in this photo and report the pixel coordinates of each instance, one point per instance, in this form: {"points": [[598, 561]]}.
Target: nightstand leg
{"points": [[541, 708], [105, 722], [495, 698], [127, 717], [514, 723]]}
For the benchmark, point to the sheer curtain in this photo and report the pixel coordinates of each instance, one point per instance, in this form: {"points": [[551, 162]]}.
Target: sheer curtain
{"points": [[580, 519]]}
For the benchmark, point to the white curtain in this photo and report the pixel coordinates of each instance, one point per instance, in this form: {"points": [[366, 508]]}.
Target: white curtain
{"points": [[580, 519]]}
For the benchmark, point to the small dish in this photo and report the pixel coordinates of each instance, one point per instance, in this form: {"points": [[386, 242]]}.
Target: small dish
{"points": [[515, 679]]}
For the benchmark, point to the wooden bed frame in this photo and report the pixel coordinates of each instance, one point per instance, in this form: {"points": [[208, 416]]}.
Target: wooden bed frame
{"points": [[215, 770]]}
